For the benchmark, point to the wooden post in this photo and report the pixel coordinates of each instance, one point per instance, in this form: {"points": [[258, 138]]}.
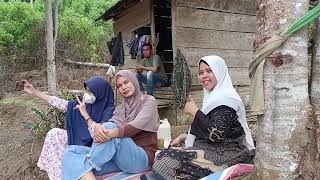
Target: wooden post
{"points": [[153, 27], [173, 28]]}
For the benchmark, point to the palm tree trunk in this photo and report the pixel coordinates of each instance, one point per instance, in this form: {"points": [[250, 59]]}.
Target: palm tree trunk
{"points": [[282, 137]]}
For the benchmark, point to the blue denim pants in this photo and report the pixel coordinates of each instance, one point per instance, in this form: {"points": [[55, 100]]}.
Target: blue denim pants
{"points": [[118, 154], [151, 79]]}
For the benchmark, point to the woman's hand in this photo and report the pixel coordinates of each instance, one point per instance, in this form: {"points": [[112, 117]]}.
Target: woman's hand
{"points": [[107, 134], [112, 133], [191, 107], [27, 87], [179, 140], [99, 136], [82, 108]]}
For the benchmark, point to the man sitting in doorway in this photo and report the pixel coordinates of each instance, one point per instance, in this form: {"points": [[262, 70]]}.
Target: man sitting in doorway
{"points": [[152, 71]]}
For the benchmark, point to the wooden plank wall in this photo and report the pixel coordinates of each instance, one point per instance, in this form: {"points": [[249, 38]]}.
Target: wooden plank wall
{"points": [[137, 16], [222, 27], [215, 27]]}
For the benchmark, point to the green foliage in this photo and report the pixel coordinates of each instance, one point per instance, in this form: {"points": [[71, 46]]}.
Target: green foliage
{"points": [[46, 120], [43, 123], [67, 95], [85, 39], [16, 22], [22, 31]]}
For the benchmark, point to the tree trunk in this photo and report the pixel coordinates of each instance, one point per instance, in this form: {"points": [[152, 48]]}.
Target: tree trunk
{"points": [[55, 21], [282, 137], [86, 64], [315, 78], [314, 147], [51, 67], [2, 76]]}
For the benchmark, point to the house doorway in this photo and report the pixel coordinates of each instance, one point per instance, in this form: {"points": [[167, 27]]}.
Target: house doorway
{"points": [[163, 24]]}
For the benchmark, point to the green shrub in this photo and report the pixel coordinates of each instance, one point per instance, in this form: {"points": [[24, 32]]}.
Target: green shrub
{"points": [[22, 31], [16, 22]]}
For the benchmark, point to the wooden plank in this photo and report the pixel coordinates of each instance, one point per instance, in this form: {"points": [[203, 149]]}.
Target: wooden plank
{"points": [[163, 89], [129, 63], [196, 87], [239, 76], [243, 89], [233, 58], [173, 27], [135, 17], [197, 18], [163, 101], [244, 92], [200, 38], [199, 91], [168, 95], [163, 96], [153, 27], [235, 6], [163, 106]]}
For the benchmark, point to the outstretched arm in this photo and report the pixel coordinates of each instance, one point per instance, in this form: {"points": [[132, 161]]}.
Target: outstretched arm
{"points": [[31, 90], [57, 102]]}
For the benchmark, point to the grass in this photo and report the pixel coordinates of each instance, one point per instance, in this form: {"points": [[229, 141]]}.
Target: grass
{"points": [[13, 101], [9, 101]]}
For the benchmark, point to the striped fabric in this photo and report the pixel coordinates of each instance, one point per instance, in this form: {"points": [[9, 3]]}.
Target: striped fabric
{"points": [[227, 174], [121, 175]]}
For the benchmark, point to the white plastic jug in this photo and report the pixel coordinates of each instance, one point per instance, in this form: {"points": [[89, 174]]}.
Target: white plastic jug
{"points": [[164, 133]]}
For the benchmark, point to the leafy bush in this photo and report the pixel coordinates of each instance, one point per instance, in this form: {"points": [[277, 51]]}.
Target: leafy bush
{"points": [[16, 22], [22, 31], [80, 37], [43, 123]]}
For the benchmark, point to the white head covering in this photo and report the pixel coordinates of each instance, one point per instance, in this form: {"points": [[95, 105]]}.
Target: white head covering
{"points": [[224, 94]]}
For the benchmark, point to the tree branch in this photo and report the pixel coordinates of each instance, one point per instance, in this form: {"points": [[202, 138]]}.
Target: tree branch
{"points": [[86, 64]]}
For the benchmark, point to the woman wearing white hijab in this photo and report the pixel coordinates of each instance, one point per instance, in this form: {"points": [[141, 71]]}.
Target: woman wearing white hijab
{"points": [[219, 135]]}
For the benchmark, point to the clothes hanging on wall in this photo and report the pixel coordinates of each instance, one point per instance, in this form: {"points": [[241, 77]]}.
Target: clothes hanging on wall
{"points": [[133, 44], [115, 47], [136, 45], [143, 39]]}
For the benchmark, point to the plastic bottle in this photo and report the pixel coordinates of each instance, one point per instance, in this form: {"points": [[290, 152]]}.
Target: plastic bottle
{"points": [[164, 133]]}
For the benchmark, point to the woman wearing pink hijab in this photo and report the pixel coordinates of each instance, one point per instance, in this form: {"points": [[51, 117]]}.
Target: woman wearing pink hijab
{"points": [[131, 134]]}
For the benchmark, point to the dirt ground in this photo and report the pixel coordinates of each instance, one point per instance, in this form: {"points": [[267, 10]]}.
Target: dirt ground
{"points": [[19, 146]]}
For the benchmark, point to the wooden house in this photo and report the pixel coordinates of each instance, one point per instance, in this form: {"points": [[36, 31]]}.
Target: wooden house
{"points": [[196, 27]]}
